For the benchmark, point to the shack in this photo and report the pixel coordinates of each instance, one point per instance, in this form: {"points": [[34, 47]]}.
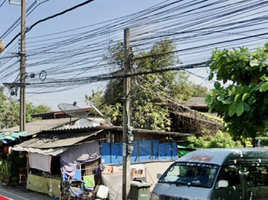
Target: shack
{"points": [[77, 152]]}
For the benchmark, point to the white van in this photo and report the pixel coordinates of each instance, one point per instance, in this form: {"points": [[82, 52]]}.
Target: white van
{"points": [[216, 174]]}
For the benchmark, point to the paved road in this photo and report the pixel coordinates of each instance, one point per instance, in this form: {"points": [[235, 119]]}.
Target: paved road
{"points": [[20, 193]]}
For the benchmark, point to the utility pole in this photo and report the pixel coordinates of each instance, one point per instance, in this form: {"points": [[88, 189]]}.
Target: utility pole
{"points": [[126, 120], [22, 66], [22, 55]]}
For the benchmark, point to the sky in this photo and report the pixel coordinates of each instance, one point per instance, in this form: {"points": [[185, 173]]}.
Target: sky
{"points": [[94, 12], [196, 28]]}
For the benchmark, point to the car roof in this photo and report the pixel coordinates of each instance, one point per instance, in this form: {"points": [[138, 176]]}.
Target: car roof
{"points": [[221, 156]]}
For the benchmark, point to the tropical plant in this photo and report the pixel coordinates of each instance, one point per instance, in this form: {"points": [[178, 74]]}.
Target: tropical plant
{"points": [[240, 91], [219, 140], [5, 169]]}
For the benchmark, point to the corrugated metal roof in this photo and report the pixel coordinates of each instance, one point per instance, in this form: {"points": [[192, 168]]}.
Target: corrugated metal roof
{"points": [[55, 140], [52, 152], [38, 125], [119, 129]]}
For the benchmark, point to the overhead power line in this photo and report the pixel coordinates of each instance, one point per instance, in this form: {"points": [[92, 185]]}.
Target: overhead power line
{"points": [[50, 17], [195, 27], [17, 22], [2, 3], [105, 77]]}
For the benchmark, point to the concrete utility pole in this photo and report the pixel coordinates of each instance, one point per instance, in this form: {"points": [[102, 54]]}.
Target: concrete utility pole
{"points": [[22, 66], [126, 119]]}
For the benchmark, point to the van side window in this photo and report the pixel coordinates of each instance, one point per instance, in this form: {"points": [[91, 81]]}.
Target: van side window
{"points": [[256, 176], [230, 173]]}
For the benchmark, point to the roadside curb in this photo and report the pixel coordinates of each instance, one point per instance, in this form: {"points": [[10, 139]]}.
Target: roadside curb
{"points": [[16, 192]]}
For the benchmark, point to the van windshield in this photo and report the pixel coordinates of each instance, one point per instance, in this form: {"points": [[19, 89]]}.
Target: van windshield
{"points": [[191, 174]]}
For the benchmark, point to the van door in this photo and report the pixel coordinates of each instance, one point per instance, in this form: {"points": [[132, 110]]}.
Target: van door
{"points": [[235, 189], [257, 182]]}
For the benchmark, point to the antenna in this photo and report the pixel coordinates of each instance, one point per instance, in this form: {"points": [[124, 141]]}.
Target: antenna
{"points": [[99, 112]]}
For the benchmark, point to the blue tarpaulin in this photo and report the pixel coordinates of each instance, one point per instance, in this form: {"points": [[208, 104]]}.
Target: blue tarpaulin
{"points": [[145, 150], [7, 137]]}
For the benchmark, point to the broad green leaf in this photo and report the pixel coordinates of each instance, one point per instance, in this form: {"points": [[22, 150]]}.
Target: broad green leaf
{"points": [[209, 99], [254, 63], [245, 96], [265, 62], [232, 109], [220, 98], [246, 106], [227, 101], [237, 97], [217, 85], [264, 87], [239, 109], [251, 100], [264, 78], [233, 90], [211, 76], [257, 87]]}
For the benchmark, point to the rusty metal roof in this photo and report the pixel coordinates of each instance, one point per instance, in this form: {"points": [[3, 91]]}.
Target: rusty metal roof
{"points": [[38, 125], [55, 140]]}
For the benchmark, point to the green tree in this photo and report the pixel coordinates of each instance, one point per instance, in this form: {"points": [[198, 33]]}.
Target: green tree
{"points": [[150, 92], [240, 91], [199, 90], [31, 109], [219, 140], [96, 98], [10, 111], [112, 112]]}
